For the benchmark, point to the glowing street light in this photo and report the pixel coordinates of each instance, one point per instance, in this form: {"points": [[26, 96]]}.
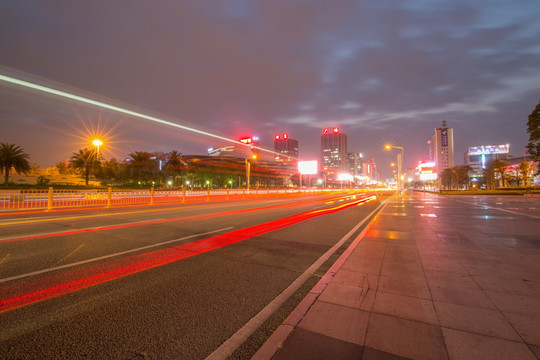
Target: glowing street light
{"points": [[399, 164], [248, 169], [97, 143]]}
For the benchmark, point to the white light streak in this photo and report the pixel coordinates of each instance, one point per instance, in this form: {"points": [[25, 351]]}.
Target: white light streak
{"points": [[103, 105]]}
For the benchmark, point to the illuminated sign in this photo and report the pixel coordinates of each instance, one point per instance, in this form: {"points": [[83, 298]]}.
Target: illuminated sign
{"points": [[444, 137], [276, 137], [345, 176], [426, 176], [335, 130], [489, 149], [308, 167], [246, 140]]}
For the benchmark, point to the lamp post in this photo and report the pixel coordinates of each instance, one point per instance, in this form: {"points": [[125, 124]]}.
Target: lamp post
{"points": [[399, 163], [97, 143], [248, 169]]}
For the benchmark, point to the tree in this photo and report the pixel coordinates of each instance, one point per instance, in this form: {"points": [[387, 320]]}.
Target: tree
{"points": [[533, 128], [175, 165], [461, 173], [142, 165], [447, 178], [13, 157], [85, 160], [524, 173], [496, 174]]}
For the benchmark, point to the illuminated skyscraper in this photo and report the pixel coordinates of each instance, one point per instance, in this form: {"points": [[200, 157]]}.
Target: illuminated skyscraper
{"points": [[441, 148], [286, 146], [334, 151]]}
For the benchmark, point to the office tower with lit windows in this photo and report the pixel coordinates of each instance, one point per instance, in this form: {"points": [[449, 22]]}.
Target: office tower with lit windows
{"points": [[286, 149], [355, 164], [334, 151], [441, 148]]}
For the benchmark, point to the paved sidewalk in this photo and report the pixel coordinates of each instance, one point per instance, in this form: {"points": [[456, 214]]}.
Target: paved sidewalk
{"points": [[432, 277]]}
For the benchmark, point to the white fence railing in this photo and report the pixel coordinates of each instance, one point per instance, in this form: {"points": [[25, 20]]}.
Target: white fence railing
{"points": [[51, 198]]}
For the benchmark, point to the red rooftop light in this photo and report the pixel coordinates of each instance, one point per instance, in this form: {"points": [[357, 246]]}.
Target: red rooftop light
{"points": [[276, 137], [285, 136], [335, 130]]}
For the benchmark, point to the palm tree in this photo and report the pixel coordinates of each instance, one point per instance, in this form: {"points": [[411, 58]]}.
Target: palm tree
{"points": [[85, 160], [13, 157], [142, 164], [175, 164]]}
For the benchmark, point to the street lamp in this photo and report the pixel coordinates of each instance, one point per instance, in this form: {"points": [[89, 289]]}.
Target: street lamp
{"points": [[399, 163], [97, 143], [248, 169]]}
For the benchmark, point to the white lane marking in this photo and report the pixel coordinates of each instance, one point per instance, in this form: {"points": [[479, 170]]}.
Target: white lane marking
{"points": [[230, 345], [68, 232], [39, 272]]}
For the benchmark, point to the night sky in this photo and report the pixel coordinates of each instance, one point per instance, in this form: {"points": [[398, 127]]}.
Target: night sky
{"points": [[383, 71]]}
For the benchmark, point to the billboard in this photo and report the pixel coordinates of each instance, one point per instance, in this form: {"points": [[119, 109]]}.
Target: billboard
{"points": [[489, 149], [308, 167]]}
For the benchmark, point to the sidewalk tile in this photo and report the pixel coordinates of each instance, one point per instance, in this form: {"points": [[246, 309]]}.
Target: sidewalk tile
{"points": [[363, 266], [450, 279], [466, 346], [353, 278], [402, 271], [337, 321], [461, 296], [526, 325], [345, 295], [407, 338], [518, 303], [415, 288], [505, 285], [372, 354], [405, 307], [439, 263], [475, 320], [307, 345]]}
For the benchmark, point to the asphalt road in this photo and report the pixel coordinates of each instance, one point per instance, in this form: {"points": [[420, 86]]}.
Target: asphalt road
{"points": [[167, 282]]}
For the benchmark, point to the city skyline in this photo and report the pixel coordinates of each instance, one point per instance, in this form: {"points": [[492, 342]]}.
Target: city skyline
{"points": [[384, 74]]}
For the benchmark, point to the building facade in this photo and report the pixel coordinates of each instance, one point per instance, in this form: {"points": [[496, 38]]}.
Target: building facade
{"points": [[478, 157], [355, 164], [441, 147], [334, 151], [286, 149]]}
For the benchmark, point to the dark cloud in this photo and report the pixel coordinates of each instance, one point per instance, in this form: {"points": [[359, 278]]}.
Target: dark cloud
{"points": [[384, 72]]}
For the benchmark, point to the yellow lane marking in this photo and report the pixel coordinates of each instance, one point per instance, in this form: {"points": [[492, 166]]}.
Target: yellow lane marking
{"points": [[90, 216], [68, 255], [4, 259]]}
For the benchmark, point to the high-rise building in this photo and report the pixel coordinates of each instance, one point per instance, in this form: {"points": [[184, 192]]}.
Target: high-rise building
{"points": [[287, 147], [441, 147], [355, 164], [334, 150], [369, 169]]}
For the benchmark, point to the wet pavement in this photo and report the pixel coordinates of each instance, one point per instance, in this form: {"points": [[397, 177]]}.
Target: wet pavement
{"points": [[431, 277]]}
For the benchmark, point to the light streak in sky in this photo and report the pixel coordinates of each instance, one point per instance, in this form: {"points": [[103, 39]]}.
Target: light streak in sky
{"points": [[103, 105]]}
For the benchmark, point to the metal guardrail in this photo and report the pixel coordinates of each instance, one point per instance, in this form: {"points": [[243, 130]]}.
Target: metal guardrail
{"points": [[53, 199]]}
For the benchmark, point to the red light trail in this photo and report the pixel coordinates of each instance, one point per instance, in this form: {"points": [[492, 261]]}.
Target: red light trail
{"points": [[31, 292]]}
